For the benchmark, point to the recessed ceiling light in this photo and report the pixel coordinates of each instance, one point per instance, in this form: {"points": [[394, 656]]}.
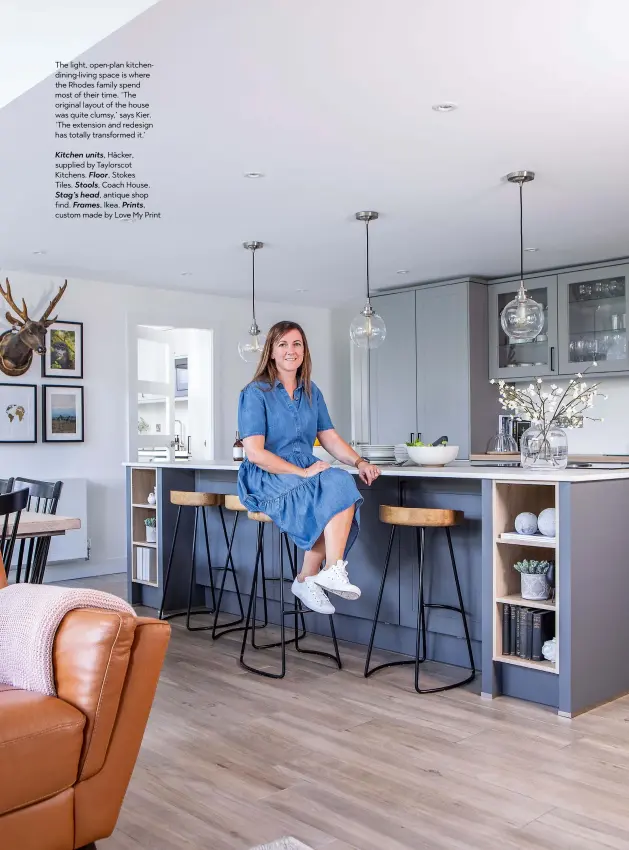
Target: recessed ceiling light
{"points": [[531, 250], [444, 107], [402, 271], [253, 175], [39, 252], [186, 274], [302, 290]]}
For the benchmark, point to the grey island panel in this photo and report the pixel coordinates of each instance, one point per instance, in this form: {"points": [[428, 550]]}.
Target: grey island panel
{"points": [[593, 594]]}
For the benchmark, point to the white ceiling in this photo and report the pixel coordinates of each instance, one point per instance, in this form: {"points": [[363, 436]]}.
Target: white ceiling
{"points": [[36, 35], [332, 102]]}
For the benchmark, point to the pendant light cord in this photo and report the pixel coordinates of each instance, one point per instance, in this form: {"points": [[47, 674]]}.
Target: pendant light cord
{"points": [[253, 285], [367, 260], [521, 239]]}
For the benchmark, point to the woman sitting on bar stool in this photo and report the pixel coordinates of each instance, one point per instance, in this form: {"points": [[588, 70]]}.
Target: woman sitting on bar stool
{"points": [[280, 414]]}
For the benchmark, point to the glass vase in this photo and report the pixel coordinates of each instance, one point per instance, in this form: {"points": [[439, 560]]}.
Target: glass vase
{"points": [[544, 448]]}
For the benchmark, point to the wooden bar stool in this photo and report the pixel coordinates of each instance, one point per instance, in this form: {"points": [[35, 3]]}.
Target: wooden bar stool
{"points": [[200, 502], [297, 611], [420, 519]]}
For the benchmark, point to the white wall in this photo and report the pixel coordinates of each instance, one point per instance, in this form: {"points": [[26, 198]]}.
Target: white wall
{"points": [[612, 435], [106, 309]]}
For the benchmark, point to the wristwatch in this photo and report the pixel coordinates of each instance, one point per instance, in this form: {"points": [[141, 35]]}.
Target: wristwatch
{"points": [[361, 460]]}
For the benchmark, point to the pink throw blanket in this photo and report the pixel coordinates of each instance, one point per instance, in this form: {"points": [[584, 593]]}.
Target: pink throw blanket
{"points": [[30, 615]]}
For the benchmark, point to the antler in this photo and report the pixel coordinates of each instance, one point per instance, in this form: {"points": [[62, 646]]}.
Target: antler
{"points": [[53, 304], [8, 297]]}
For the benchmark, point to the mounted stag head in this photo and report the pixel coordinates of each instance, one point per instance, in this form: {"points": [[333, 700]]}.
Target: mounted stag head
{"points": [[26, 336]]}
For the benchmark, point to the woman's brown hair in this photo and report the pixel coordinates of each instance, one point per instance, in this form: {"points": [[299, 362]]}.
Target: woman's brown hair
{"points": [[267, 370]]}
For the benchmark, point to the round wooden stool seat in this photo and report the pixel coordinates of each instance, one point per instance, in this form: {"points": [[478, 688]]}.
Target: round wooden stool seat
{"points": [[259, 517], [420, 517], [233, 503], [193, 499]]}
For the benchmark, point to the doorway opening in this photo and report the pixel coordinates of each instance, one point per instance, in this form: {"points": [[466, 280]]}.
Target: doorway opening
{"points": [[171, 398]]}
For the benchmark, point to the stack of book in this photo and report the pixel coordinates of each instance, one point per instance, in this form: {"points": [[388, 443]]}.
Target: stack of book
{"points": [[525, 630], [143, 563]]}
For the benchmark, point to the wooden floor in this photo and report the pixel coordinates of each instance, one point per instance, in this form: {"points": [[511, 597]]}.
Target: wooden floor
{"points": [[231, 760]]}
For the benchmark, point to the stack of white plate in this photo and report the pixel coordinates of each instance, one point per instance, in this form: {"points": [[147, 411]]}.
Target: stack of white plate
{"points": [[376, 454], [401, 452]]}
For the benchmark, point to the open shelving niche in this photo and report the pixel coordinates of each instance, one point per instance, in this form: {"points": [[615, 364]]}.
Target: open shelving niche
{"points": [[142, 483], [509, 499]]}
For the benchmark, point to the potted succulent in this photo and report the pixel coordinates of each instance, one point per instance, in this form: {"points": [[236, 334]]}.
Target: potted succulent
{"points": [[534, 577], [151, 529]]}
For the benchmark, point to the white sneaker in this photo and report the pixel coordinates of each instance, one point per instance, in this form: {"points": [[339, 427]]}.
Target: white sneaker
{"points": [[334, 579], [312, 596]]}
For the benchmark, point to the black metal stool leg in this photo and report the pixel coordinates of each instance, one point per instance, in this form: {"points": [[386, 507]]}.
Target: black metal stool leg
{"points": [[368, 672], [231, 625], [421, 607], [160, 614], [202, 610], [297, 638], [460, 596], [209, 557], [459, 610], [291, 611], [252, 596]]}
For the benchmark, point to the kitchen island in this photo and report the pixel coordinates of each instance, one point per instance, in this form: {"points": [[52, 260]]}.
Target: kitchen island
{"points": [[590, 552]]}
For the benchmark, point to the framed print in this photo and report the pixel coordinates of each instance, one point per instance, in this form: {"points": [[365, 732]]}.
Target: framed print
{"points": [[64, 351], [18, 413], [62, 414]]}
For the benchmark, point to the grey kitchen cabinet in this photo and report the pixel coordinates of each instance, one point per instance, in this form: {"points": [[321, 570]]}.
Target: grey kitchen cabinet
{"points": [[392, 372], [592, 320], [585, 324], [454, 397], [510, 359], [430, 375]]}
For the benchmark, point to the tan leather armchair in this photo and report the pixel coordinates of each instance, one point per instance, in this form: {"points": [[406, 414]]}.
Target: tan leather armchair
{"points": [[66, 761]]}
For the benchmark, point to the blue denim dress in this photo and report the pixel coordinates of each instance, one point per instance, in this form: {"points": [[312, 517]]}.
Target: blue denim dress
{"points": [[301, 507]]}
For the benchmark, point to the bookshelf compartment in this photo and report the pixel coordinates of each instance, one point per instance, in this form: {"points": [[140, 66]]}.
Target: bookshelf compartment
{"points": [[509, 499], [142, 483], [144, 554], [542, 664], [144, 569], [512, 498]]}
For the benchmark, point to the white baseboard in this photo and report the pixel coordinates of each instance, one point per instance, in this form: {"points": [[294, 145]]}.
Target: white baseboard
{"points": [[65, 570]]}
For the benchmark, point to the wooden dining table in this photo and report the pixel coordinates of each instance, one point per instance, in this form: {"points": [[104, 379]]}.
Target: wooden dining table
{"points": [[35, 525]]}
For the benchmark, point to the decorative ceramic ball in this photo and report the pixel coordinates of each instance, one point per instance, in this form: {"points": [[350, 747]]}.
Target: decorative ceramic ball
{"points": [[526, 523], [549, 650], [546, 522]]}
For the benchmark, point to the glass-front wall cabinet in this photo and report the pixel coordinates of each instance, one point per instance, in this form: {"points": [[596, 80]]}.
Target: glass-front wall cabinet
{"points": [[592, 320], [511, 358]]}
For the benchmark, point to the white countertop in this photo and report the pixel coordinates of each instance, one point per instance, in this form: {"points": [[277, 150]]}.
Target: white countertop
{"points": [[457, 469]]}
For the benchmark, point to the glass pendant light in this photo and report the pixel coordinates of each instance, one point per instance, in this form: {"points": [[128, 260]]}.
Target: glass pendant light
{"points": [[251, 349], [368, 329], [522, 319]]}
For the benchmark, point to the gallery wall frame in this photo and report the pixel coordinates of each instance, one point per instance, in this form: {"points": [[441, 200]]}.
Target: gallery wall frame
{"points": [[18, 413], [64, 351], [63, 413]]}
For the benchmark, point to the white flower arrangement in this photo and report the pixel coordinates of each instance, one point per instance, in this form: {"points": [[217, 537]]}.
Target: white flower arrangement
{"points": [[553, 406]]}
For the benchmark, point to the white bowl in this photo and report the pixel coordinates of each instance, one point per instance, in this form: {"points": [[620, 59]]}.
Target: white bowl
{"points": [[320, 452], [432, 455]]}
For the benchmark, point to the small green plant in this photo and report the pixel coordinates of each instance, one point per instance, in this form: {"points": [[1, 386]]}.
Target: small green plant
{"points": [[150, 522], [539, 568]]}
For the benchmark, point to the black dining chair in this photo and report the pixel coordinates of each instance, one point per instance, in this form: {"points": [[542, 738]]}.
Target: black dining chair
{"points": [[6, 485], [43, 498], [10, 503]]}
